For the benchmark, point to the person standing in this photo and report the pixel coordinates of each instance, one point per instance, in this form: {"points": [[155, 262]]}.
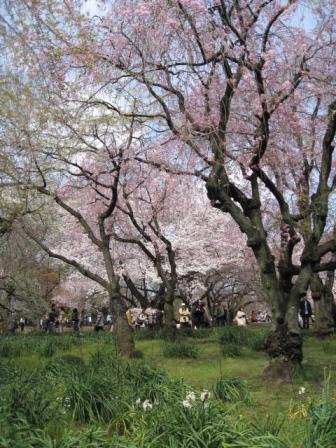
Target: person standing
{"points": [[142, 319], [220, 314], [22, 324], [100, 321], [52, 319], [61, 320], [184, 315], [198, 315], [75, 320], [306, 312], [129, 317]]}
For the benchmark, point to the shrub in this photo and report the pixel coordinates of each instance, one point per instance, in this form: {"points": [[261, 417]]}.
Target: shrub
{"points": [[231, 350], [234, 335], [232, 390], [256, 339], [180, 350]]}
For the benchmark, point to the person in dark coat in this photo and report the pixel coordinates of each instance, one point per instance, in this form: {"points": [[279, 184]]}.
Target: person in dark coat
{"points": [[305, 312], [75, 320]]}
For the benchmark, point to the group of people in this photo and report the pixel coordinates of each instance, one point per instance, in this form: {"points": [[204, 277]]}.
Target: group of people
{"points": [[197, 317], [144, 317], [55, 320]]}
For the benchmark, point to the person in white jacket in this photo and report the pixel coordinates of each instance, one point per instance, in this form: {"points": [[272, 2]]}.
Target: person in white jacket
{"points": [[240, 318]]}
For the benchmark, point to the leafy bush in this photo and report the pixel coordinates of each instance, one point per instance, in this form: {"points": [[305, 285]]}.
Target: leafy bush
{"points": [[180, 350]]}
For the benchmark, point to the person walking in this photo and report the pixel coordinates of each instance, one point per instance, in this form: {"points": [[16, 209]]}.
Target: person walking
{"points": [[305, 312]]}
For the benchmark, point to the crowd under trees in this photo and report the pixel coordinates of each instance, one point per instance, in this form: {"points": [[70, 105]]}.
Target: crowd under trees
{"points": [[172, 136]]}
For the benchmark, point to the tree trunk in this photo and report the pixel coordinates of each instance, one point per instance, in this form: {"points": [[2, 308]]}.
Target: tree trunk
{"points": [[323, 303], [284, 343], [169, 315], [122, 331]]}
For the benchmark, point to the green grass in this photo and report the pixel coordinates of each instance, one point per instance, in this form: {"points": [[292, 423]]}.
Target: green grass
{"points": [[76, 392]]}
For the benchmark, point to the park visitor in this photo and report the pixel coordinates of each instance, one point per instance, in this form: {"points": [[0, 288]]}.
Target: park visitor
{"points": [[240, 318], [99, 321], [253, 316], [75, 320], [184, 315], [142, 319], [61, 320], [305, 312], [22, 324]]}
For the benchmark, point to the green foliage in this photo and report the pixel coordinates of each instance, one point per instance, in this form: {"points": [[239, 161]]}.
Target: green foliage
{"points": [[69, 400], [148, 334], [232, 390], [180, 349], [231, 350], [44, 345], [234, 335], [321, 422], [243, 337]]}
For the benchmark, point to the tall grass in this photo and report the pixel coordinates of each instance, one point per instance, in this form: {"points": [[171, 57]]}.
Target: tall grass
{"points": [[66, 402]]}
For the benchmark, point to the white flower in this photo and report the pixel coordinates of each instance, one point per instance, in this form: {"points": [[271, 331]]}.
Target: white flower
{"points": [[147, 405], [138, 401], [302, 390], [191, 396], [187, 404], [205, 395]]}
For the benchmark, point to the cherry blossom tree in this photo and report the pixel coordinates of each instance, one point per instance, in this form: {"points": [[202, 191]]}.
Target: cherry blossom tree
{"points": [[231, 85], [174, 227], [239, 94]]}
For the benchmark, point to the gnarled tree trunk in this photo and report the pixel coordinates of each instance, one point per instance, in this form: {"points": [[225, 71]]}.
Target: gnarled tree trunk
{"points": [[323, 304]]}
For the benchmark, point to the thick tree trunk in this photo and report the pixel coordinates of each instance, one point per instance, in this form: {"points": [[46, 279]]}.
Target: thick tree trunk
{"points": [[323, 304], [122, 331], [284, 342]]}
